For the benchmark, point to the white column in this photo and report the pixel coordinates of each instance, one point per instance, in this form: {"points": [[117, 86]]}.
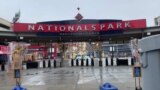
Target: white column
{"points": [[46, 61], [89, 62], [74, 62], [40, 64], [69, 62], [24, 66], [84, 62], [129, 61], [109, 61], [103, 62], [95, 54], [96, 62], [79, 62], [115, 61], [52, 63]]}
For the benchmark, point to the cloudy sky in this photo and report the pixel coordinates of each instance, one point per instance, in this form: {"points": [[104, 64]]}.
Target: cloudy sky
{"points": [[33, 11]]}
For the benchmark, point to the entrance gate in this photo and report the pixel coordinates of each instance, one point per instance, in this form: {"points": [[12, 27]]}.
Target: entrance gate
{"points": [[112, 35]]}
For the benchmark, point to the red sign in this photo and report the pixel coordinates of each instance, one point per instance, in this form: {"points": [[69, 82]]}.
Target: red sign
{"points": [[120, 25], [4, 49]]}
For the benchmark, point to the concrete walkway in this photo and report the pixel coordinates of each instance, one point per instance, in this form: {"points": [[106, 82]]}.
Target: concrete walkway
{"points": [[71, 78]]}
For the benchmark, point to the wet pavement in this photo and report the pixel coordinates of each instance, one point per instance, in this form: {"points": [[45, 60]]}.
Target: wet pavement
{"points": [[71, 78]]}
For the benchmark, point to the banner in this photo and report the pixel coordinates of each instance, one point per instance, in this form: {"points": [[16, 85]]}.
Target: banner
{"points": [[4, 49], [73, 28]]}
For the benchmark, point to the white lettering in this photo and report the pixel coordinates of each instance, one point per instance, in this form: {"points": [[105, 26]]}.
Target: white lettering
{"points": [[93, 27], [49, 27], [85, 28], [79, 28], [119, 25], [56, 28], [40, 27], [62, 28], [127, 24], [31, 27], [102, 26], [110, 26], [70, 28]]}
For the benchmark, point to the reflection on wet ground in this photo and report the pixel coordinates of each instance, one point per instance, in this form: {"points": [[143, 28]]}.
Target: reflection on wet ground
{"points": [[71, 78]]}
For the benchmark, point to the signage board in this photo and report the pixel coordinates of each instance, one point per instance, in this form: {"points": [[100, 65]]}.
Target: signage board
{"points": [[79, 28]]}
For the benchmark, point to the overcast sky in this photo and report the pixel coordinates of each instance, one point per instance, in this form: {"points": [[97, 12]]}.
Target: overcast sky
{"points": [[33, 11]]}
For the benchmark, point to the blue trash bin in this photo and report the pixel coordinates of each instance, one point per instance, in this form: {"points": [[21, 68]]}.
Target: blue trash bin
{"points": [[108, 86]]}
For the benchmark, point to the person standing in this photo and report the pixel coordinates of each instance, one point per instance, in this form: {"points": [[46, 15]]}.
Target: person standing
{"points": [[17, 62]]}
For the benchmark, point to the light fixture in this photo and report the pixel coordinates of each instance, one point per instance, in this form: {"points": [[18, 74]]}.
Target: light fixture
{"points": [[21, 37], [93, 42], [148, 33]]}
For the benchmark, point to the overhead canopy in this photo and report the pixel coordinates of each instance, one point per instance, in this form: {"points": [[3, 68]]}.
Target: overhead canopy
{"points": [[73, 30]]}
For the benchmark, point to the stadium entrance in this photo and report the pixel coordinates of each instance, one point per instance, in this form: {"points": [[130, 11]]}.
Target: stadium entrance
{"points": [[76, 40]]}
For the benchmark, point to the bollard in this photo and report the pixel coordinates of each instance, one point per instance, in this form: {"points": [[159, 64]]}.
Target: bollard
{"points": [[100, 63], [89, 62], [118, 61], [129, 61], [103, 62], [54, 63], [49, 63], [111, 61], [72, 62], [92, 62], [86, 62], [115, 61], [3, 67], [40, 64], [77, 64], [44, 64], [106, 61], [82, 64], [132, 61]]}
